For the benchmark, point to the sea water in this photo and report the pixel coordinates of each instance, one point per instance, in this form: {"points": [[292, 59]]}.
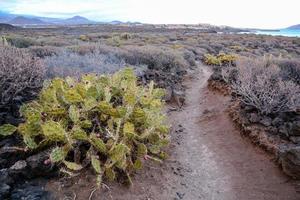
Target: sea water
{"points": [[282, 32]]}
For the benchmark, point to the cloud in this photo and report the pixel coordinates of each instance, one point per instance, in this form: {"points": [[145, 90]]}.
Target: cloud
{"points": [[238, 13]]}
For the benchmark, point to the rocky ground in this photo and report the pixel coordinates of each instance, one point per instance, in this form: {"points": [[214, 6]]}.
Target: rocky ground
{"points": [[208, 160]]}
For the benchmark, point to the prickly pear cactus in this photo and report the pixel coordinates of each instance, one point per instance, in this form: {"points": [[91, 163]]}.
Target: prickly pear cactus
{"points": [[3, 41], [108, 121]]}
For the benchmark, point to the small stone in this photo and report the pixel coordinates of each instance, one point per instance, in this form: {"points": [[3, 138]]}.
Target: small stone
{"points": [[266, 121], [206, 111], [249, 108], [254, 118], [284, 131], [5, 177], [30, 192], [295, 128], [277, 122], [289, 158], [19, 166], [180, 195], [37, 166], [295, 140], [168, 95], [4, 190]]}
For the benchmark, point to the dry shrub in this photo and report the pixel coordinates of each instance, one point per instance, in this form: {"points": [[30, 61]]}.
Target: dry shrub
{"points": [[290, 69], [259, 84], [190, 57], [20, 42], [44, 51], [21, 76], [154, 57], [73, 64], [83, 49], [55, 41]]}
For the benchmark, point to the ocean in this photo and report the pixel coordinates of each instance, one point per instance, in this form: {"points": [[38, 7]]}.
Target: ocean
{"points": [[282, 32]]}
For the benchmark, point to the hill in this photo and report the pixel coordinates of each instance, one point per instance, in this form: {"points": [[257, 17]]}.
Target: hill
{"points": [[26, 21], [7, 27], [77, 20], [294, 27]]}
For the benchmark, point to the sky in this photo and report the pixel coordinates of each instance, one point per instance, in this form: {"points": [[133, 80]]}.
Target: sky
{"points": [[236, 13]]}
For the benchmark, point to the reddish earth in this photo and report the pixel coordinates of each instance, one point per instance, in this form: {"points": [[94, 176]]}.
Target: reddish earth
{"points": [[208, 160]]}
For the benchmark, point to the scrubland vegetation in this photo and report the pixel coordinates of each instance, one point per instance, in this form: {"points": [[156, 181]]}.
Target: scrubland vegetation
{"points": [[107, 121], [62, 93], [265, 84], [266, 93]]}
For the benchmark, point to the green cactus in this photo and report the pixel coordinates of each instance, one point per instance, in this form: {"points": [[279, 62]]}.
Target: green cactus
{"points": [[111, 118], [3, 41]]}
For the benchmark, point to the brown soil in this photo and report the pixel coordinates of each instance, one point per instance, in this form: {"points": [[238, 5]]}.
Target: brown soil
{"points": [[208, 160], [219, 87]]}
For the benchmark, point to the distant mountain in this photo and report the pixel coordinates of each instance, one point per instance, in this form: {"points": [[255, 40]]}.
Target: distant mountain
{"points": [[26, 21], [116, 22], [77, 20], [33, 20], [5, 17], [294, 27], [7, 27], [21, 20]]}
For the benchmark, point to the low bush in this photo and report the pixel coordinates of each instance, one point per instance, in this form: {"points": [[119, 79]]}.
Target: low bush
{"points": [[84, 38], [56, 41], [108, 122], [189, 57], [220, 59], [154, 57], [20, 42], [114, 41], [211, 60], [259, 84], [21, 76], [290, 70], [44, 51], [84, 49], [126, 36], [73, 64]]}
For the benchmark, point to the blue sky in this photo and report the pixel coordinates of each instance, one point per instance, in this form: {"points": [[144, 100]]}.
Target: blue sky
{"points": [[238, 13]]}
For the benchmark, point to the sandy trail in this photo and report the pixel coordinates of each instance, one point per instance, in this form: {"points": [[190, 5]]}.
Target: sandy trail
{"points": [[208, 159]]}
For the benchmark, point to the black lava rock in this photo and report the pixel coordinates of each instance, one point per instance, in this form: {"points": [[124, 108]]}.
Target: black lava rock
{"points": [[30, 192], [289, 158], [4, 191]]}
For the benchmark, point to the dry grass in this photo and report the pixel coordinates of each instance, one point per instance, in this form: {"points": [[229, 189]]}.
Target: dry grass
{"points": [[21, 76], [260, 85]]}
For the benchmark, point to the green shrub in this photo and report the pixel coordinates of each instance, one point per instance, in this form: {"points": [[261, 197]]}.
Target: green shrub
{"points": [[125, 36], [84, 38], [114, 41], [20, 42], [107, 121], [220, 59], [211, 60]]}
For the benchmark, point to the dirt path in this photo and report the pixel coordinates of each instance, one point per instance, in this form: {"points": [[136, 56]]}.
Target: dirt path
{"points": [[208, 159]]}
